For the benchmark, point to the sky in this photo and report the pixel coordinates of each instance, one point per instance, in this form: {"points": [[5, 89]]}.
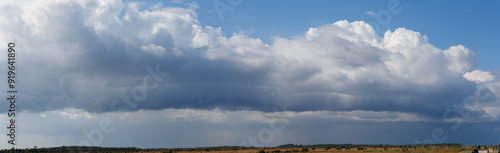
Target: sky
{"points": [[180, 73]]}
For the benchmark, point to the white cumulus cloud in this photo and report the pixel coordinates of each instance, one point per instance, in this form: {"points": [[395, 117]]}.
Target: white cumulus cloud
{"points": [[479, 76]]}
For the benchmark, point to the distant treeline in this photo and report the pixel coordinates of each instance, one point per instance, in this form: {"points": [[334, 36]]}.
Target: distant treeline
{"points": [[171, 150], [367, 145], [65, 149]]}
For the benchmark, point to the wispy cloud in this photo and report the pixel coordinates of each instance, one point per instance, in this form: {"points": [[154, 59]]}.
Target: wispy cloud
{"points": [[370, 13]]}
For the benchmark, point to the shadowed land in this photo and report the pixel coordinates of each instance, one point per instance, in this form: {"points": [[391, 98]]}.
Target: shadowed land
{"points": [[289, 148]]}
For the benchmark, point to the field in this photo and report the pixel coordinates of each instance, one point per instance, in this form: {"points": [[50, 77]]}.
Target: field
{"points": [[329, 148], [334, 150]]}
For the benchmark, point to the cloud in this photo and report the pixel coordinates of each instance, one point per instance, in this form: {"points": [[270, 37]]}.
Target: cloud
{"points": [[479, 76], [173, 128], [370, 13], [177, 1], [153, 49], [87, 54]]}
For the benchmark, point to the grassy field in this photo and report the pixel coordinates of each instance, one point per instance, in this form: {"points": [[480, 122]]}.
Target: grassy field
{"points": [[334, 150]]}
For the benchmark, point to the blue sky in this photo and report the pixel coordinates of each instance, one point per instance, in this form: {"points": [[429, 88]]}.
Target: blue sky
{"points": [[174, 74]]}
